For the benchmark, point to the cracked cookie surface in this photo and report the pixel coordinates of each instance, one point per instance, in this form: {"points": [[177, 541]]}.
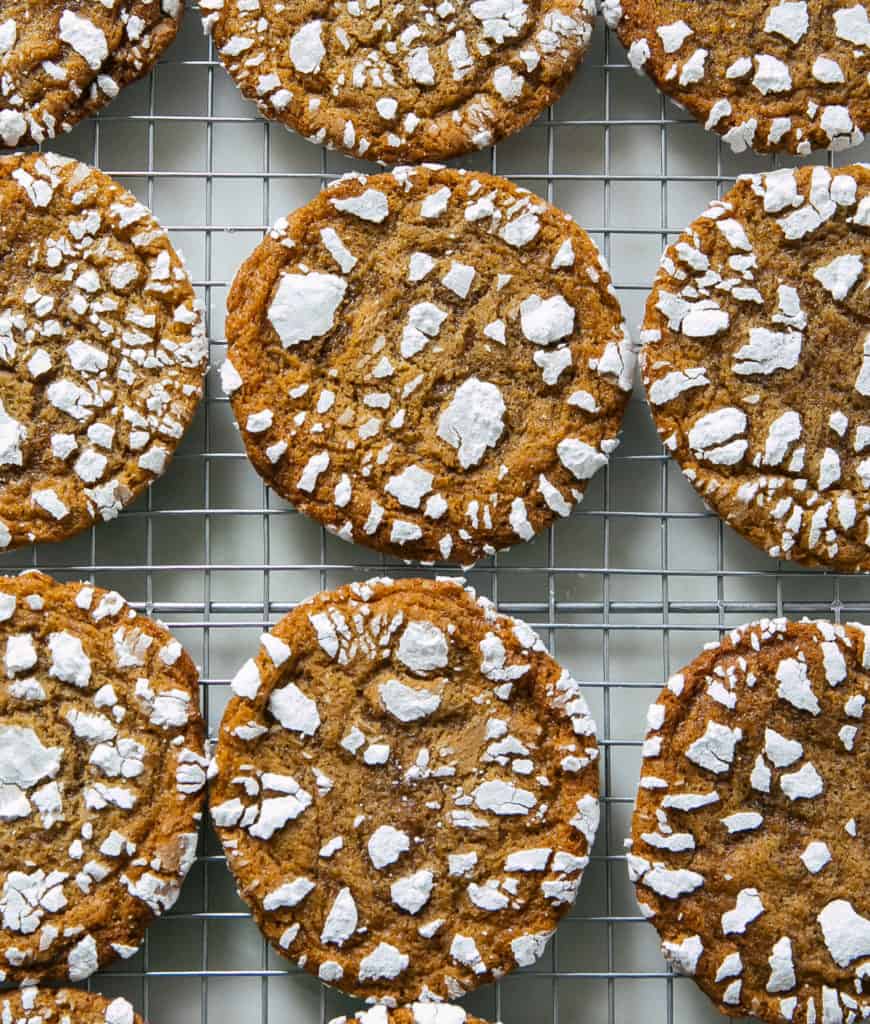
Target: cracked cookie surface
{"points": [[786, 75], [749, 837], [406, 789], [756, 360], [102, 348], [61, 60], [64, 1006], [398, 81], [430, 362], [102, 773]]}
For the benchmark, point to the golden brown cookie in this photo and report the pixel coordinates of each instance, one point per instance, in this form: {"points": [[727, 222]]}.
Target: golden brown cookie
{"points": [[102, 348], [64, 59], [419, 1013], [756, 360], [401, 82], [406, 789], [430, 362], [749, 838], [101, 776], [64, 1006], [767, 75]]}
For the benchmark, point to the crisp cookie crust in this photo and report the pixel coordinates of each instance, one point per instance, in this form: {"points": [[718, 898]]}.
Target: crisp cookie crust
{"points": [[756, 360], [749, 838], [64, 1006], [402, 82], [785, 75], [64, 59], [419, 1013], [102, 348], [101, 777], [430, 362], [406, 789]]}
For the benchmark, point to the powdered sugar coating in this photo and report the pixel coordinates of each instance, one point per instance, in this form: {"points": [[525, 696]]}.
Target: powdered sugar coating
{"points": [[397, 81], [424, 399], [102, 773], [418, 1013], [777, 75], [62, 61], [102, 341], [777, 897], [451, 859], [782, 257]]}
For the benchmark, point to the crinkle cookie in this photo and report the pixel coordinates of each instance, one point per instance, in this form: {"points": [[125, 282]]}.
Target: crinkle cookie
{"points": [[756, 360], [429, 362], [749, 838], [102, 348], [64, 1006], [101, 777], [406, 789], [786, 75], [419, 1013], [401, 82], [61, 60]]}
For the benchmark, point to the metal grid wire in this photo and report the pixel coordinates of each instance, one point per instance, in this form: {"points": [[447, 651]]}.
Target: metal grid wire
{"points": [[625, 590]]}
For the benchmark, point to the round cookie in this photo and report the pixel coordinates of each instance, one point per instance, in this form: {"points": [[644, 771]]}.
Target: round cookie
{"points": [[101, 777], [406, 789], [62, 60], [102, 348], [400, 82], [429, 362], [767, 75], [749, 837], [756, 359], [419, 1013], [64, 1006]]}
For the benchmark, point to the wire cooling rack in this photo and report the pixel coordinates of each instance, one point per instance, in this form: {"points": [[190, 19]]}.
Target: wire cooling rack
{"points": [[623, 592]]}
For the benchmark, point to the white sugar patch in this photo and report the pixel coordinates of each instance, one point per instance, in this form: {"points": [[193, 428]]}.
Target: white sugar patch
{"points": [[304, 306], [846, 932], [795, 686], [407, 704], [715, 749], [294, 710], [746, 910], [473, 421]]}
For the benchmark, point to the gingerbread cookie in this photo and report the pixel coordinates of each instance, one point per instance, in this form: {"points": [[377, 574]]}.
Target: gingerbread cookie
{"points": [[64, 59], [102, 348], [419, 1013], [64, 1006], [401, 82], [406, 789], [430, 362], [749, 838], [101, 777], [756, 360], [786, 75]]}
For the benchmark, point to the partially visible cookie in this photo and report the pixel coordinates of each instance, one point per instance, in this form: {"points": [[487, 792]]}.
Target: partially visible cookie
{"points": [[787, 75], [401, 82], [406, 789], [64, 1006], [430, 362], [749, 837], [102, 771], [102, 348], [756, 360], [419, 1013], [64, 59]]}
